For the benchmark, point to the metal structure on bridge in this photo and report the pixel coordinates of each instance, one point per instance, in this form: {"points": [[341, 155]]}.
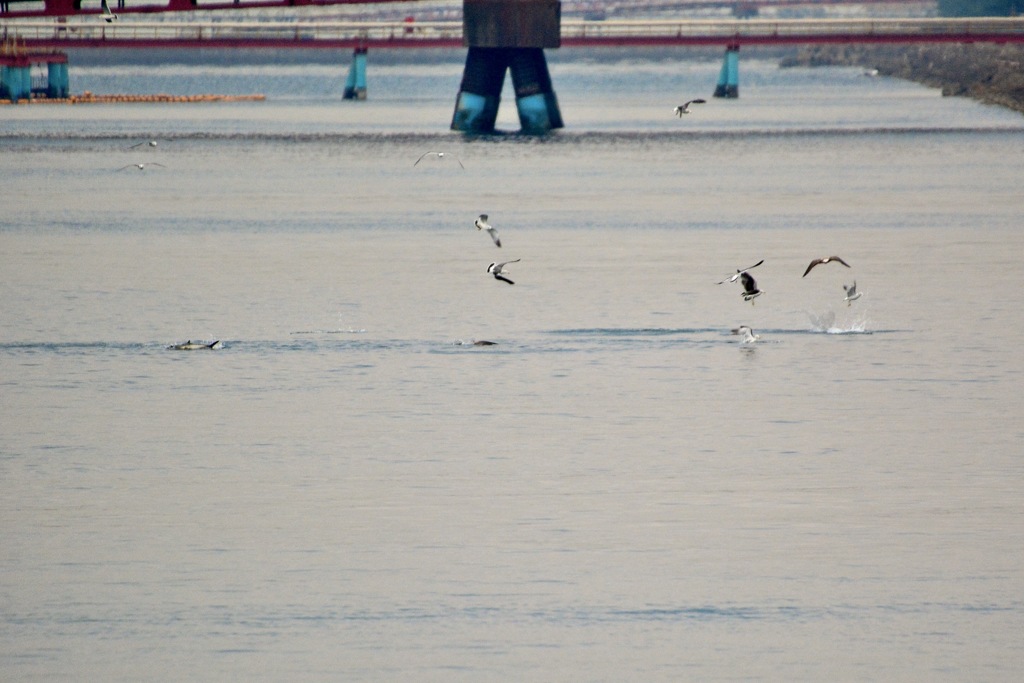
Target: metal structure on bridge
{"points": [[449, 34], [26, 9]]}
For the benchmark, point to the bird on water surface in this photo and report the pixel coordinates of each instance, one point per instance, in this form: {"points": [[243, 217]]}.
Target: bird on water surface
{"points": [[748, 334]]}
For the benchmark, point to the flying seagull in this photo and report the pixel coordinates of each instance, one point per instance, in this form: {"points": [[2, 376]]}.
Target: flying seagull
{"points": [[151, 143], [498, 269], [851, 293], [739, 271], [748, 334], [482, 224], [439, 155], [108, 16], [142, 167], [685, 107], [824, 260], [750, 290]]}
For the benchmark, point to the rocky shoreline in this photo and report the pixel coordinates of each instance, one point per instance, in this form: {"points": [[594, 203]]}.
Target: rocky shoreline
{"points": [[990, 73]]}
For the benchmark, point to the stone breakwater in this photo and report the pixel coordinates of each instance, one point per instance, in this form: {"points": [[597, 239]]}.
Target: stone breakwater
{"points": [[990, 73], [89, 98]]}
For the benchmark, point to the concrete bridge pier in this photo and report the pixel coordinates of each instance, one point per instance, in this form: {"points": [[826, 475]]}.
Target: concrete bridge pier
{"points": [[729, 77], [16, 82], [57, 83], [355, 85], [508, 35]]}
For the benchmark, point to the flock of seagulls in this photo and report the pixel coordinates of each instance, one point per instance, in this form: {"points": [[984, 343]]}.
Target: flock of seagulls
{"points": [[151, 144], [751, 291]]}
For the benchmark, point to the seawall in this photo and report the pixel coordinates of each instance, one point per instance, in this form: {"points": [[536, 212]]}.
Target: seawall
{"points": [[990, 73]]}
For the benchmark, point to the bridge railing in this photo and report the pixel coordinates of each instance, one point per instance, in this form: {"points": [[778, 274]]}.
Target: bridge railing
{"points": [[449, 34]]}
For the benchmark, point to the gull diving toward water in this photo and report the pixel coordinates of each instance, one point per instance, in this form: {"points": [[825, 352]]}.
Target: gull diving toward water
{"points": [[827, 259], [851, 293], [739, 271], [482, 224], [151, 143], [142, 167], [750, 290], [685, 107], [108, 16], [748, 334], [498, 269], [439, 155]]}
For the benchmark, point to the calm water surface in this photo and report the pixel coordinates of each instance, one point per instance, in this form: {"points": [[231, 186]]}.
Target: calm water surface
{"points": [[618, 490]]}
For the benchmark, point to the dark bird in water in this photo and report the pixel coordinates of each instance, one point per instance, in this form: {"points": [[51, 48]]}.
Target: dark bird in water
{"points": [[482, 224], [739, 271], [498, 270], [750, 290], [827, 259], [685, 107], [193, 346]]}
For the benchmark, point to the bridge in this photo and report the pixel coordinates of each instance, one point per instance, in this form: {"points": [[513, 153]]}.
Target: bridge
{"points": [[486, 64], [22, 9], [574, 33]]}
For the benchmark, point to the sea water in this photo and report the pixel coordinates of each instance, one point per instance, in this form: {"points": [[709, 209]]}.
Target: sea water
{"points": [[619, 489]]}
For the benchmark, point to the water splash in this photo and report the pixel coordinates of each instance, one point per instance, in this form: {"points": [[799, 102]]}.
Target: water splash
{"points": [[826, 322]]}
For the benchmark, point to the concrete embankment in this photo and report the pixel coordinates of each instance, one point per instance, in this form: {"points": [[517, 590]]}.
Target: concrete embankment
{"points": [[991, 73], [90, 98]]}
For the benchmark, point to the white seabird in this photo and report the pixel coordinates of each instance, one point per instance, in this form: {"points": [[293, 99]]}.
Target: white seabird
{"points": [[748, 334], [685, 107], [498, 270], [739, 271], [142, 167], [827, 259], [151, 143], [439, 155], [750, 290], [851, 293], [108, 16], [482, 224]]}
